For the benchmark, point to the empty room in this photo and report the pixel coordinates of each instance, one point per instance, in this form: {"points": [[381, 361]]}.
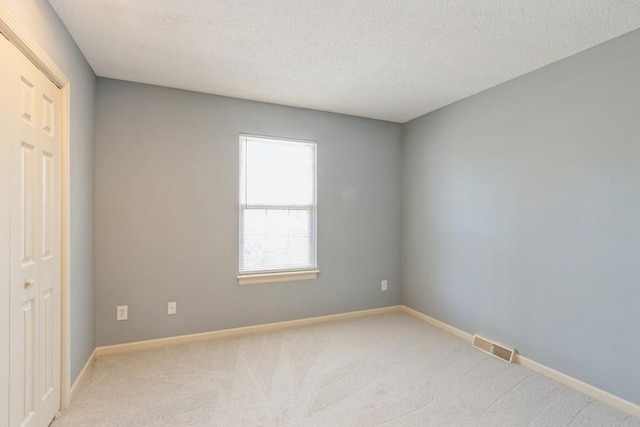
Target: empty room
{"points": [[319, 213]]}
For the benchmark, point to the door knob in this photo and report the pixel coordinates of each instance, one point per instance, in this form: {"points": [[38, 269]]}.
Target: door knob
{"points": [[29, 283]]}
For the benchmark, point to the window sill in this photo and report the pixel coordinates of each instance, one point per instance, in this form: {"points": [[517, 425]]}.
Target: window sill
{"points": [[285, 276]]}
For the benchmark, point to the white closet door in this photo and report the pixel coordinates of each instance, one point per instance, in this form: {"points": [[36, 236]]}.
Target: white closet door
{"points": [[33, 135]]}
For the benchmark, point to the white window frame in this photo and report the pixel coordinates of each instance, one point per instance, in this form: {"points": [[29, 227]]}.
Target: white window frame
{"points": [[271, 276]]}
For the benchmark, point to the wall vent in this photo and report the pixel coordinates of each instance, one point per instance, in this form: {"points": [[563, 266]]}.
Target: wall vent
{"points": [[493, 348]]}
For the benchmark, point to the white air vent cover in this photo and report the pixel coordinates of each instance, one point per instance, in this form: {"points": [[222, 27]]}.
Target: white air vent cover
{"points": [[493, 348]]}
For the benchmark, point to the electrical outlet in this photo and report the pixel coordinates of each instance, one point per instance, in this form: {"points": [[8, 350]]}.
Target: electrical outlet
{"points": [[383, 285], [172, 308], [122, 312]]}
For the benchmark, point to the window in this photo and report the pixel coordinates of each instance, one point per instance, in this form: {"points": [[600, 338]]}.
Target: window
{"points": [[277, 210]]}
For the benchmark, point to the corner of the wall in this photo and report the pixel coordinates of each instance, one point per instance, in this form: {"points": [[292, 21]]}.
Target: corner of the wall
{"points": [[82, 375]]}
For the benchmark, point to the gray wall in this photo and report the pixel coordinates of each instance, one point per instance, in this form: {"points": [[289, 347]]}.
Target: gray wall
{"points": [[167, 212], [42, 24], [521, 215]]}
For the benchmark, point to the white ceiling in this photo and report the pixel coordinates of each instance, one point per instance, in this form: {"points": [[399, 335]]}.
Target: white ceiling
{"points": [[385, 59]]}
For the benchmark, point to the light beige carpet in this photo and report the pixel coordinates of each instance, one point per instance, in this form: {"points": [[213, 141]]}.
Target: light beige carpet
{"points": [[383, 370]]}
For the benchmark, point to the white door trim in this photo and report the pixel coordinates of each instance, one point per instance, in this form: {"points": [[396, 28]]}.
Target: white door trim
{"points": [[29, 48]]}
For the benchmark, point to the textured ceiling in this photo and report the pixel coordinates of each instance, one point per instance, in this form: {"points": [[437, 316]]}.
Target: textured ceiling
{"points": [[385, 59]]}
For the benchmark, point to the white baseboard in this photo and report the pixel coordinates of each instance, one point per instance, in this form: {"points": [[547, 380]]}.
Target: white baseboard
{"points": [[267, 327], [581, 386], [452, 330], [576, 384], [82, 373]]}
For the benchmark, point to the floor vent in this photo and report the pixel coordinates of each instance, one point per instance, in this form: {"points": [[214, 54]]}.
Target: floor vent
{"points": [[493, 348]]}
